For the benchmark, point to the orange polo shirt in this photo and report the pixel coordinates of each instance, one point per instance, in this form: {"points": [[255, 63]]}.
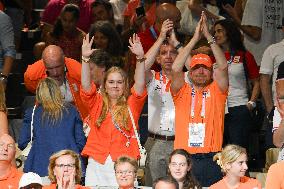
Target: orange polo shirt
{"points": [[275, 176], [11, 180], [214, 117], [53, 186], [246, 183], [106, 139]]}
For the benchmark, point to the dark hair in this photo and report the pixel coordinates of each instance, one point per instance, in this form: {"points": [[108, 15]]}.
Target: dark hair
{"points": [[169, 180], [58, 28], [114, 46], [105, 3], [102, 59], [190, 181], [233, 34]]}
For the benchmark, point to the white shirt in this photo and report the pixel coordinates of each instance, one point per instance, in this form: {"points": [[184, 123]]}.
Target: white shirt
{"points": [[272, 57], [266, 15], [118, 7], [66, 92]]}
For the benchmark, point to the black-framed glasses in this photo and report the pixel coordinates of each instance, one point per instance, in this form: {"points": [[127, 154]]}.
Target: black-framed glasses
{"points": [[69, 166]]}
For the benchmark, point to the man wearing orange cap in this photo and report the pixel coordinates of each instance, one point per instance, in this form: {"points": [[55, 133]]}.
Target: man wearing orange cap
{"points": [[200, 105]]}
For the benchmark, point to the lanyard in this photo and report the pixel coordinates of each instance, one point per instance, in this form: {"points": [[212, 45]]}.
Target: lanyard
{"points": [[193, 94], [121, 131], [153, 32]]}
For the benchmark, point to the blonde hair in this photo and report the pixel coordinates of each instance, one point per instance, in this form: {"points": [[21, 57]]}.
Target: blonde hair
{"points": [[3, 107], [52, 164], [48, 94], [126, 159], [120, 112], [228, 155]]}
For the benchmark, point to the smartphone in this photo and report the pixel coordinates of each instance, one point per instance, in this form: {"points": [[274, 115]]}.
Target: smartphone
{"points": [[140, 11]]}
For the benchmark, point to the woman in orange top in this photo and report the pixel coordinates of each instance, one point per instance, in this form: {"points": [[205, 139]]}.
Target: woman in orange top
{"points": [[233, 162], [64, 171], [112, 133]]}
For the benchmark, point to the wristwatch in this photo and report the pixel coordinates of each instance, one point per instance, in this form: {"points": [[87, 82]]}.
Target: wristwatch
{"points": [[3, 78], [253, 104]]}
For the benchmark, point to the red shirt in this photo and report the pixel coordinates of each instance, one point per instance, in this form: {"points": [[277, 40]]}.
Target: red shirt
{"points": [[148, 38], [54, 7]]}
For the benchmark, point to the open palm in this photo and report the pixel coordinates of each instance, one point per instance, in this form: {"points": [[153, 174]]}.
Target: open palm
{"points": [[135, 46], [87, 50]]}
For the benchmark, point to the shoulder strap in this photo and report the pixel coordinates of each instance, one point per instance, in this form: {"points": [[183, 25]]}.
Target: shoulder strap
{"points": [[32, 123], [135, 130], [246, 75]]}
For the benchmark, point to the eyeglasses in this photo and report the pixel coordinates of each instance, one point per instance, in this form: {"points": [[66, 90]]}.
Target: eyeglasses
{"points": [[174, 164], [126, 172], [69, 166]]}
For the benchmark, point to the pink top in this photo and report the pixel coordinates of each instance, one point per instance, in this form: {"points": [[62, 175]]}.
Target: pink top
{"points": [[53, 9]]}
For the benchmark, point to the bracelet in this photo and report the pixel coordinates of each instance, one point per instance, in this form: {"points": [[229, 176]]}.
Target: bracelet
{"points": [[212, 41], [3, 78], [253, 104], [85, 59], [140, 60], [178, 46]]}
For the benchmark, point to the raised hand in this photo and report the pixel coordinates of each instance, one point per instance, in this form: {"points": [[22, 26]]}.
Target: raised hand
{"points": [[167, 26], [87, 50], [198, 30], [230, 10], [173, 39], [135, 46], [204, 27]]}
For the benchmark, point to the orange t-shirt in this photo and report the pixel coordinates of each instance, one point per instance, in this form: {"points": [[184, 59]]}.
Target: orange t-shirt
{"points": [[275, 176], [214, 117], [53, 186], [11, 180], [246, 183], [106, 139]]}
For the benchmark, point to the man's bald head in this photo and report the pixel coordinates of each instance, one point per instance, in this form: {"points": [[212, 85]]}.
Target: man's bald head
{"points": [[7, 148], [167, 11], [53, 59]]}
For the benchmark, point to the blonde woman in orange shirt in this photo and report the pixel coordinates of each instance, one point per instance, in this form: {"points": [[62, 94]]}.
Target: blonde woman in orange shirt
{"points": [[233, 162], [112, 133]]}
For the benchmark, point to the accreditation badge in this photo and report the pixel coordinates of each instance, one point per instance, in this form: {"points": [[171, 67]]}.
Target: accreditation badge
{"points": [[196, 134]]}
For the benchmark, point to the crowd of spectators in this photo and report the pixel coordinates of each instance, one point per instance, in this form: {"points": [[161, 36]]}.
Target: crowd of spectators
{"points": [[202, 68]]}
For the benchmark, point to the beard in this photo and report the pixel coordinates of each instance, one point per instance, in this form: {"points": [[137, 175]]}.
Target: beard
{"points": [[201, 83]]}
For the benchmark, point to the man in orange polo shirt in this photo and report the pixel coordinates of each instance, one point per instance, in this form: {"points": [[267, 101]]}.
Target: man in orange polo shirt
{"points": [[66, 71], [9, 175], [200, 105]]}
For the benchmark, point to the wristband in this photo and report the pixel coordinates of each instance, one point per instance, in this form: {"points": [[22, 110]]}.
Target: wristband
{"points": [[3, 78], [253, 104], [140, 60], [85, 59], [178, 46], [212, 41]]}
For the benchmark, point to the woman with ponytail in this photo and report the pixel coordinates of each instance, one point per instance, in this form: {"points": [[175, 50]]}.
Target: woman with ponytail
{"points": [[114, 112], [55, 126], [233, 162]]}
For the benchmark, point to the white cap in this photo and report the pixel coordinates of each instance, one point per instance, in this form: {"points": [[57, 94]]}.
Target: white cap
{"points": [[29, 178]]}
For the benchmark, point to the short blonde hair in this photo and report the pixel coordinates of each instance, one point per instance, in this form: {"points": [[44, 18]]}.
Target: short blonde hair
{"points": [[126, 159], [54, 157], [228, 155]]}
